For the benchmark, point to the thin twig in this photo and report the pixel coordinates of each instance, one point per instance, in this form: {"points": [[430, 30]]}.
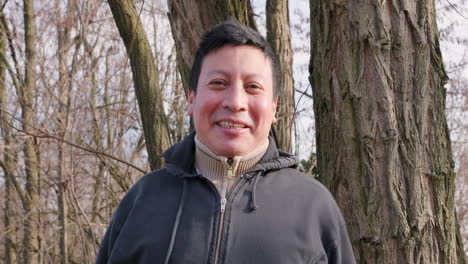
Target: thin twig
{"points": [[47, 135], [456, 10], [305, 93]]}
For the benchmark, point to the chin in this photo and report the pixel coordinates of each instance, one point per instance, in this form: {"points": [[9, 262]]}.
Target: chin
{"points": [[235, 149], [226, 151], [229, 153]]}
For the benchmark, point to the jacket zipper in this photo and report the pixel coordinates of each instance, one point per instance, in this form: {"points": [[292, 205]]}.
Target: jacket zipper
{"points": [[220, 229], [223, 201], [223, 204]]}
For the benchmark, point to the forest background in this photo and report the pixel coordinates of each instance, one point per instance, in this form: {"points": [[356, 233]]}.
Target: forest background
{"points": [[73, 126]]}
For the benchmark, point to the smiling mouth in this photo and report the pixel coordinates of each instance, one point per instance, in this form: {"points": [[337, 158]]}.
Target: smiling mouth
{"points": [[230, 124]]}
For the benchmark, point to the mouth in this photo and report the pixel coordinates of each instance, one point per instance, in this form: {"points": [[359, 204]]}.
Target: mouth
{"points": [[227, 124]]}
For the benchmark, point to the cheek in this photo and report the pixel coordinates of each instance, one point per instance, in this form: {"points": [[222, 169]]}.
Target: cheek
{"points": [[205, 108], [263, 113]]}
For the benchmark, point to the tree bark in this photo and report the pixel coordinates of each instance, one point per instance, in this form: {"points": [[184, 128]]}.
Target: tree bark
{"points": [[279, 37], [8, 163], [383, 145], [30, 241], [97, 139], [189, 19], [63, 124], [145, 78]]}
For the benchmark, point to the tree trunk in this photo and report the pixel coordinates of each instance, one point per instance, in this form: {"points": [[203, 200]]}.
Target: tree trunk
{"points": [[145, 78], [189, 19], [97, 139], [383, 145], [30, 242], [8, 163], [63, 126], [279, 37]]}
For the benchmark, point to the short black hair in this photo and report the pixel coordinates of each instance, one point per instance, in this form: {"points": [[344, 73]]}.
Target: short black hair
{"points": [[232, 32]]}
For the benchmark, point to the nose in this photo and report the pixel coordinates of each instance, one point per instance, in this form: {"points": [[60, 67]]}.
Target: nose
{"points": [[236, 97]]}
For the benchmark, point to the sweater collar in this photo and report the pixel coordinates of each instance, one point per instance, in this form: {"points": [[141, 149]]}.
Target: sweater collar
{"points": [[180, 158], [213, 166]]}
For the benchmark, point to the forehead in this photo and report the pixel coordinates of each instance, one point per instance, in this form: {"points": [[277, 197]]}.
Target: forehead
{"points": [[245, 58]]}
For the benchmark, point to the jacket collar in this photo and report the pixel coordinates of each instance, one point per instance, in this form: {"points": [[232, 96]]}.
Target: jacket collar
{"points": [[180, 158]]}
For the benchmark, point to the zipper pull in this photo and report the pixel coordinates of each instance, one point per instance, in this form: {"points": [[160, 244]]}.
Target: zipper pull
{"points": [[223, 204], [230, 172]]}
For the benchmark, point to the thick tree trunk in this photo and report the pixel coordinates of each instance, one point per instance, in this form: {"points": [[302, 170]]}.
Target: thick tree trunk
{"points": [[30, 241], [145, 78], [279, 37], [383, 145], [189, 19], [8, 163]]}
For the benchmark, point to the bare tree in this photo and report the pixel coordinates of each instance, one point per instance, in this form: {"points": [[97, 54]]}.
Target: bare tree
{"points": [[8, 162], [31, 225], [382, 138], [77, 61], [63, 122], [279, 37], [146, 79]]}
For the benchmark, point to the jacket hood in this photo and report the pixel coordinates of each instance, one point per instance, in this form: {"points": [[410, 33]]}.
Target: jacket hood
{"points": [[180, 157]]}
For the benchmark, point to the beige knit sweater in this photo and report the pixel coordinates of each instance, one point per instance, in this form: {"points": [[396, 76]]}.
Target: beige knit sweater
{"points": [[223, 172]]}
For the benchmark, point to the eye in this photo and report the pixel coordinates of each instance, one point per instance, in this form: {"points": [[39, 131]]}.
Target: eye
{"points": [[217, 84], [254, 87]]}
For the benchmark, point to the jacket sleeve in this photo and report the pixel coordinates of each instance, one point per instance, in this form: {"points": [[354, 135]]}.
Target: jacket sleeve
{"points": [[335, 240], [339, 250], [107, 244], [107, 248]]}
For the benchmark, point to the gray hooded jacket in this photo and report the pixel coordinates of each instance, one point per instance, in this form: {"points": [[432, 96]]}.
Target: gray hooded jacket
{"points": [[273, 214]]}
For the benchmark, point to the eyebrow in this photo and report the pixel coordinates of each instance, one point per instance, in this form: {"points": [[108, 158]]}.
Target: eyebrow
{"points": [[217, 71]]}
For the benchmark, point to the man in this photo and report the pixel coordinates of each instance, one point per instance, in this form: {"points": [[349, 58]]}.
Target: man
{"points": [[227, 195]]}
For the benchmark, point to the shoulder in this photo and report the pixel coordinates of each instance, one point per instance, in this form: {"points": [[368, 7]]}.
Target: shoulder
{"points": [[147, 182], [301, 183], [305, 198], [322, 205], [310, 195], [146, 190]]}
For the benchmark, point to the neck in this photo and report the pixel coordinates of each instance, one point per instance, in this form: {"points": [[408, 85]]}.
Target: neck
{"points": [[215, 167]]}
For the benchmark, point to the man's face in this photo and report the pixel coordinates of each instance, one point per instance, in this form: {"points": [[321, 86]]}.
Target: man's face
{"points": [[234, 106]]}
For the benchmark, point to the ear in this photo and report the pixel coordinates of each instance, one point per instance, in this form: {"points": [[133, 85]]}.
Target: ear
{"points": [[191, 101], [275, 102]]}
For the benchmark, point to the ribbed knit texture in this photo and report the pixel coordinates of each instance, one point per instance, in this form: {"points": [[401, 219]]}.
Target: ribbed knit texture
{"points": [[217, 170]]}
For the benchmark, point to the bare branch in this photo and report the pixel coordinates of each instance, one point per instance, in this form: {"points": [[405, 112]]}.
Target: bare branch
{"points": [[456, 10], [304, 93], [44, 134]]}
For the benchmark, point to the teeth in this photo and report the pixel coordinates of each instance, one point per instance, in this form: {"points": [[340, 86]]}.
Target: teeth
{"points": [[230, 125]]}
